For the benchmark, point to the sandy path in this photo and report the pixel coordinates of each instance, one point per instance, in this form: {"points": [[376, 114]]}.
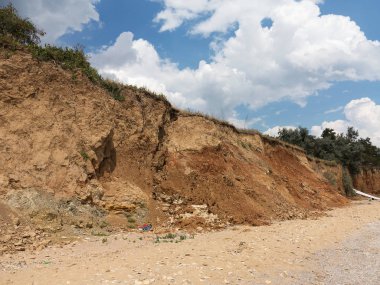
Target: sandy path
{"points": [[291, 252]]}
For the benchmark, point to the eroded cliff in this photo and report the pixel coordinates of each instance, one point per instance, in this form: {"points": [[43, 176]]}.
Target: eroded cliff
{"points": [[72, 157], [368, 180]]}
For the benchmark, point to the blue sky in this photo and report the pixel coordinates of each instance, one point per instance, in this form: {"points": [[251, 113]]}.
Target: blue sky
{"points": [[136, 16], [295, 93]]}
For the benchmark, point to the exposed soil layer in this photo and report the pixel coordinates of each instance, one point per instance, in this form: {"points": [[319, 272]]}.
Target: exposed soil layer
{"points": [[368, 180], [74, 159]]}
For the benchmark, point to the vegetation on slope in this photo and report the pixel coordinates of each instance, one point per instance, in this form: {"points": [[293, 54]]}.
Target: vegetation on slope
{"points": [[17, 33], [347, 149]]}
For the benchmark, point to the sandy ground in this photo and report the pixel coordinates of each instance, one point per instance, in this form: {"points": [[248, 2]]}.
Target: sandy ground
{"points": [[341, 248]]}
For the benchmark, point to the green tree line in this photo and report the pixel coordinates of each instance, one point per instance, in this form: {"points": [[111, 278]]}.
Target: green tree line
{"points": [[348, 149]]}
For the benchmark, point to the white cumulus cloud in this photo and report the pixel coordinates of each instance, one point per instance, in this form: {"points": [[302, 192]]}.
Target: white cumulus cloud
{"points": [[57, 18], [362, 114], [301, 53]]}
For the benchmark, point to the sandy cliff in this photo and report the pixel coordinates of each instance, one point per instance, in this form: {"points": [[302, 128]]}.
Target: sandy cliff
{"points": [[73, 156], [368, 180]]}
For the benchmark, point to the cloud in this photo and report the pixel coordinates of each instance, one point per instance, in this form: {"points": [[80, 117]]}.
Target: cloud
{"points": [[176, 12], [301, 53], [340, 126], [274, 131], [136, 62], [335, 110], [57, 18], [362, 114]]}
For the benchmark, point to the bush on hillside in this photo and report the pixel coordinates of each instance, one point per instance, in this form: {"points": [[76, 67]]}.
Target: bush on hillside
{"points": [[347, 149], [15, 31]]}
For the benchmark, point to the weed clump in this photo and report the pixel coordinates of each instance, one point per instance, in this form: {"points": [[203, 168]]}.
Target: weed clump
{"points": [[170, 238]]}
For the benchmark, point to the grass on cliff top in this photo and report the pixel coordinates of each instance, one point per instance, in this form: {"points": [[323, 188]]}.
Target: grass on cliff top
{"points": [[74, 59], [17, 33], [270, 140]]}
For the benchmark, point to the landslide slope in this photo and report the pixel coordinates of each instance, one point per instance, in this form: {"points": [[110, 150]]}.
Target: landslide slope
{"points": [[73, 156]]}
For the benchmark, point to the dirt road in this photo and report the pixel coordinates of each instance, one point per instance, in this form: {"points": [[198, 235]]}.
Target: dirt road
{"points": [[340, 248]]}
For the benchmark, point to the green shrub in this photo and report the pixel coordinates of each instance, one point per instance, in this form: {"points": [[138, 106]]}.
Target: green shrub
{"points": [[15, 31]]}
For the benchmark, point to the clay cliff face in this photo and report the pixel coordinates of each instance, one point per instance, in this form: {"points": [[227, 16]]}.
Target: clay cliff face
{"points": [[368, 180], [72, 155]]}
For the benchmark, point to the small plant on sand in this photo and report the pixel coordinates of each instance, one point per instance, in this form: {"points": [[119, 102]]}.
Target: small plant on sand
{"points": [[172, 238], [103, 224], [132, 226], [84, 155], [182, 237], [169, 236]]}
